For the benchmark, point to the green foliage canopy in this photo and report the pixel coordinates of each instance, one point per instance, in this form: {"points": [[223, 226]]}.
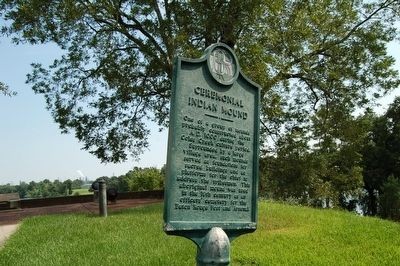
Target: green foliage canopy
{"points": [[323, 176], [381, 154], [390, 199], [144, 179], [42, 189], [5, 90], [310, 57]]}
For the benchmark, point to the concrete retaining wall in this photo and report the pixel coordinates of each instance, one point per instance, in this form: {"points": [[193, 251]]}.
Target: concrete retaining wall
{"points": [[42, 202]]}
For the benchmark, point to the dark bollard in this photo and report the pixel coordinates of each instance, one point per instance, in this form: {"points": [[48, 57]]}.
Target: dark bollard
{"points": [[112, 194], [102, 198], [95, 189]]}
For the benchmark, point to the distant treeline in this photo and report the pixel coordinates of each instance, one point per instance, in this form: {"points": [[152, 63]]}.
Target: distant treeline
{"points": [[356, 167], [43, 189], [138, 179]]}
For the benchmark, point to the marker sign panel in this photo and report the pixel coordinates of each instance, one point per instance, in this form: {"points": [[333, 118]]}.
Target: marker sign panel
{"points": [[212, 164]]}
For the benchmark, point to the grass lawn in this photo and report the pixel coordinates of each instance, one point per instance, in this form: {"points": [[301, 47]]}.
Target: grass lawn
{"points": [[81, 191], [286, 235]]}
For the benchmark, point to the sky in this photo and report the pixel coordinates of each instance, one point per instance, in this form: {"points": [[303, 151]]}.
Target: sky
{"points": [[31, 145]]}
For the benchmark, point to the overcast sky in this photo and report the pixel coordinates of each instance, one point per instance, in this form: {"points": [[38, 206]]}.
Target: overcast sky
{"points": [[31, 145]]}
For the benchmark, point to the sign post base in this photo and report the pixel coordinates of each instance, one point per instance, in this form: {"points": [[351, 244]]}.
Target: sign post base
{"points": [[214, 249]]}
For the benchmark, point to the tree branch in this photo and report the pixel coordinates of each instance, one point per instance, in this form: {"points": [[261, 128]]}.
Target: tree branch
{"points": [[138, 26], [328, 46]]}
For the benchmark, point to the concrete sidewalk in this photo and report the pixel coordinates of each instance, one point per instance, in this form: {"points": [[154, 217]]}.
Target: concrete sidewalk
{"points": [[6, 231]]}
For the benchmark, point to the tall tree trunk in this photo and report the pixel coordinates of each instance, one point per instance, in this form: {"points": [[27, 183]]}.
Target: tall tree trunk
{"points": [[372, 205]]}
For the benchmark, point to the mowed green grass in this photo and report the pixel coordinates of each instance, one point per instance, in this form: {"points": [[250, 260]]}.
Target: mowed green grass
{"points": [[286, 235], [81, 191]]}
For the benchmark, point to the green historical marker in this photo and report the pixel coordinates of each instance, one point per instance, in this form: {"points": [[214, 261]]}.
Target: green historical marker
{"points": [[212, 164]]}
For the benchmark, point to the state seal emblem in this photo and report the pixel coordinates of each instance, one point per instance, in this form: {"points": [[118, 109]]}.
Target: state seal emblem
{"points": [[222, 64]]}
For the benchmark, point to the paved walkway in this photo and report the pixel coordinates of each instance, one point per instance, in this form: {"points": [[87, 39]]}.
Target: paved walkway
{"points": [[6, 231], [10, 219]]}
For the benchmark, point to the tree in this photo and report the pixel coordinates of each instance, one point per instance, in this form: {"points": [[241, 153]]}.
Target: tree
{"points": [[381, 155], [143, 179], [337, 154], [288, 175], [69, 186], [375, 158], [120, 183], [8, 188], [22, 189], [308, 56], [4, 89], [77, 183], [389, 201], [323, 173]]}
